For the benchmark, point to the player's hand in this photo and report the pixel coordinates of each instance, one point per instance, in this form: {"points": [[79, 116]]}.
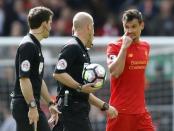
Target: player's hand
{"points": [[54, 115], [33, 116], [112, 112], [127, 40], [89, 88]]}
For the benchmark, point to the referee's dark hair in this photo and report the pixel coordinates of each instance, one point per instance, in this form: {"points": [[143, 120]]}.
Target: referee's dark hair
{"points": [[38, 15], [131, 14]]}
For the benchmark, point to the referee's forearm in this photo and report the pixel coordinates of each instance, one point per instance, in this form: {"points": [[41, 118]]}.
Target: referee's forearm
{"points": [[26, 88], [44, 92], [95, 101], [66, 79]]}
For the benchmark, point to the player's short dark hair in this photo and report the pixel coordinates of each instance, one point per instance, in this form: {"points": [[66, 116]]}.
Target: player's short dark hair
{"points": [[38, 15], [131, 14]]}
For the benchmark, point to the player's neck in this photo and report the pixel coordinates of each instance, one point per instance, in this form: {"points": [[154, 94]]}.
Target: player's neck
{"points": [[136, 41]]}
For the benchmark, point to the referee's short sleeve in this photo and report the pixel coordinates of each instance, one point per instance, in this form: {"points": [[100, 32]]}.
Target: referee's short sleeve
{"points": [[66, 58], [27, 53]]}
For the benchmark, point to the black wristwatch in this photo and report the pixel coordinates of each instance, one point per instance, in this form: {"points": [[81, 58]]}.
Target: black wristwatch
{"points": [[32, 104], [105, 107], [79, 88]]}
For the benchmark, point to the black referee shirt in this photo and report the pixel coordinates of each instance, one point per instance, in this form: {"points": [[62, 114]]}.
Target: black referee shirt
{"points": [[72, 59], [29, 63]]}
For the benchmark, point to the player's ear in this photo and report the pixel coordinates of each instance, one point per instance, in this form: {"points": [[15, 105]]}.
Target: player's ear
{"points": [[72, 30], [142, 25], [88, 26]]}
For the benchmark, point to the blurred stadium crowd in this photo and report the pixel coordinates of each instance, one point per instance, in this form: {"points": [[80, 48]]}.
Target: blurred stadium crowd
{"points": [[106, 15], [159, 21]]}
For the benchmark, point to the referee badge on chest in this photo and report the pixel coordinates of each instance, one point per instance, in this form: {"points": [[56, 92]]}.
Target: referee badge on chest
{"points": [[41, 67]]}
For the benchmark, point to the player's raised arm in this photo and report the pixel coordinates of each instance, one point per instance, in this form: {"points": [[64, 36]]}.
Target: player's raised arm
{"points": [[116, 62]]}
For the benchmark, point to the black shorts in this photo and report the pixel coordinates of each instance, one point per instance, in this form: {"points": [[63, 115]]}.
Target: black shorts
{"points": [[74, 117], [20, 113]]}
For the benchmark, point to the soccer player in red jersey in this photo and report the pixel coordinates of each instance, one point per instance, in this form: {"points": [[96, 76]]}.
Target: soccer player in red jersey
{"points": [[127, 59]]}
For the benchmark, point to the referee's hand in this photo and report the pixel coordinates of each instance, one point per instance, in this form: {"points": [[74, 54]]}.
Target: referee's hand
{"points": [[33, 116], [89, 88], [54, 115], [112, 112]]}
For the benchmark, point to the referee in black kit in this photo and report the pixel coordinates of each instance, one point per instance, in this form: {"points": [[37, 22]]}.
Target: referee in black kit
{"points": [[29, 85], [74, 96]]}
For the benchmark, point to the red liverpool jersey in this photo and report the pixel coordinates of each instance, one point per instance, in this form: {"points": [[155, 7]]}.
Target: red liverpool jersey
{"points": [[127, 91]]}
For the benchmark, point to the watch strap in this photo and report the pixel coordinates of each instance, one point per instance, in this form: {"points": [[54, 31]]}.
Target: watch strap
{"points": [[32, 104], [105, 107], [79, 88]]}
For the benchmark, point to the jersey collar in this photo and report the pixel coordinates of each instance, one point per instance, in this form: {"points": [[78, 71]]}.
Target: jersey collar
{"points": [[35, 40], [80, 43]]}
